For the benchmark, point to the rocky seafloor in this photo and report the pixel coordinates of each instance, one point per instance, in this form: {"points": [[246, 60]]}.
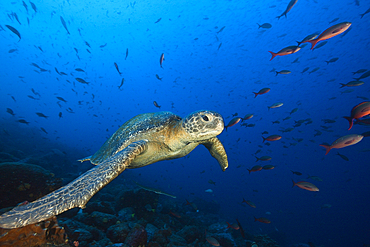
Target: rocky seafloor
{"points": [[119, 215]]}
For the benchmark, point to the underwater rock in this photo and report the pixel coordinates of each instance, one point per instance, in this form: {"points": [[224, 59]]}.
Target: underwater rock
{"points": [[101, 220], [118, 233], [150, 229], [161, 237], [176, 240], [126, 214], [265, 241], [137, 199], [137, 236], [5, 157], [217, 227], [225, 239], [100, 206], [47, 232], [24, 182], [190, 233]]}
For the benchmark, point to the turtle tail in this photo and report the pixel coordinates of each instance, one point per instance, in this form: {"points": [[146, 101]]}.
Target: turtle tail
{"points": [[75, 194]]}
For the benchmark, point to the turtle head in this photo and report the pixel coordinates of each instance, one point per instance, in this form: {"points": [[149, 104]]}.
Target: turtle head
{"points": [[203, 125]]}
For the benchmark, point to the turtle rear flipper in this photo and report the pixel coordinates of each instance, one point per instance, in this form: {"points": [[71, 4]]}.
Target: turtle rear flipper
{"points": [[75, 194], [217, 150]]}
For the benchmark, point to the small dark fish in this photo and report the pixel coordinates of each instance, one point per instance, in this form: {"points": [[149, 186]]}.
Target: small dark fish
{"points": [[79, 70], [367, 11], [16, 17], [31, 97], [14, 31], [332, 60], [297, 173], [219, 46], [305, 69], [211, 182], [13, 98], [35, 93], [116, 65], [241, 229], [41, 115], [161, 59], [158, 20], [12, 50], [288, 8], [126, 53], [56, 70], [61, 99], [23, 121], [81, 81], [64, 24], [87, 44], [233, 122], [62, 73], [359, 71], [320, 45], [264, 25], [44, 130], [334, 20], [156, 104], [60, 114], [363, 76], [25, 6], [70, 110], [33, 6], [119, 87], [342, 156], [102, 46], [159, 78], [222, 28], [10, 111]]}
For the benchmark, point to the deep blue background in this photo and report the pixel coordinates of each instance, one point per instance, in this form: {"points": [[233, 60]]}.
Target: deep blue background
{"points": [[197, 75]]}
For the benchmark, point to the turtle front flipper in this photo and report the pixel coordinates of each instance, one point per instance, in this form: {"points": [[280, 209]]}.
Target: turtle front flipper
{"points": [[217, 150], [75, 194]]}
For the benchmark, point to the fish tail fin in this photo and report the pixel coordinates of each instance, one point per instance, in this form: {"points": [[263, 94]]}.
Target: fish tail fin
{"points": [[256, 161], [268, 107], [327, 147], [255, 219], [294, 183], [357, 79], [276, 73], [350, 120], [278, 17], [249, 171], [327, 62], [273, 55], [343, 85], [228, 225], [244, 200], [313, 43], [187, 202], [299, 43], [255, 94], [259, 26], [264, 139], [362, 15]]}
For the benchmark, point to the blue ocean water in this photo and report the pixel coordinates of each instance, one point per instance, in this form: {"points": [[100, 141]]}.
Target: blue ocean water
{"points": [[215, 57]]}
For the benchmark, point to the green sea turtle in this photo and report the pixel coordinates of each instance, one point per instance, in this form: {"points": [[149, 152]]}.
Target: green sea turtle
{"points": [[142, 140]]}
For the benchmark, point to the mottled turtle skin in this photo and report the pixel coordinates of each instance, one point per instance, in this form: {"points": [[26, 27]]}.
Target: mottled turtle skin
{"points": [[142, 140]]}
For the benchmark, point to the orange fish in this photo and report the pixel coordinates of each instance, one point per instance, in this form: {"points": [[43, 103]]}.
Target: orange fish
{"points": [[342, 142], [255, 169], [193, 205], [308, 37], [288, 8], [262, 91], [271, 138], [248, 116], [233, 121], [234, 226], [358, 111], [268, 167], [212, 241], [249, 203], [305, 185], [174, 214], [330, 33], [262, 220], [116, 65], [285, 51], [161, 59]]}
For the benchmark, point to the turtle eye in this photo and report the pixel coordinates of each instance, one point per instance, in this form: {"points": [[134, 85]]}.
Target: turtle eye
{"points": [[205, 118]]}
